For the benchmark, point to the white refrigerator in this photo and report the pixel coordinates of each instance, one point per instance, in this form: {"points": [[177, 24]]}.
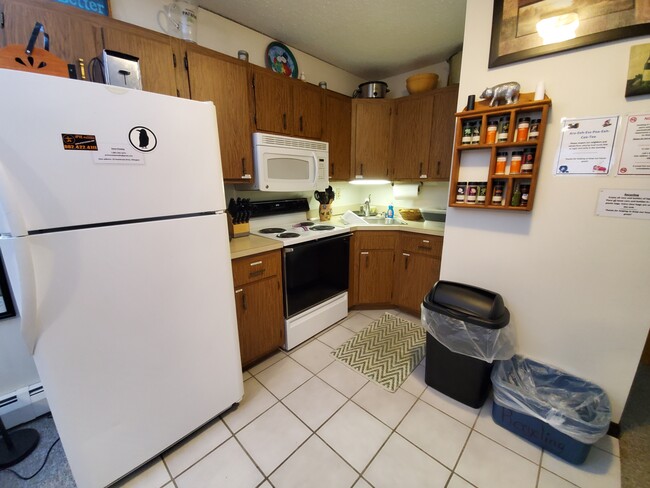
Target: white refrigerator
{"points": [[115, 242]]}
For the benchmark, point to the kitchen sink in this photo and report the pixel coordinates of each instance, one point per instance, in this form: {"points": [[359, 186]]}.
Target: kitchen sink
{"points": [[381, 220]]}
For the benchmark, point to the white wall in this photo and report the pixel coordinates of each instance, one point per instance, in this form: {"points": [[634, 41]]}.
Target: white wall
{"points": [[577, 285], [228, 37]]}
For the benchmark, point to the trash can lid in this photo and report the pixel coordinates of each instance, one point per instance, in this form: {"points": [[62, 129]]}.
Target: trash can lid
{"points": [[468, 303]]}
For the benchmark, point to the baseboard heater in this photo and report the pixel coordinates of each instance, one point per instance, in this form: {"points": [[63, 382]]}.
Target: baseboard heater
{"points": [[23, 405]]}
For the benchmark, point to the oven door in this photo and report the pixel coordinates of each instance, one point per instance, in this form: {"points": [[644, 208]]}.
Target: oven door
{"points": [[314, 272]]}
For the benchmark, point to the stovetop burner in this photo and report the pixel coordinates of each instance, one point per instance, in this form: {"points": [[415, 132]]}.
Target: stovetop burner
{"points": [[322, 227], [288, 235], [272, 230]]}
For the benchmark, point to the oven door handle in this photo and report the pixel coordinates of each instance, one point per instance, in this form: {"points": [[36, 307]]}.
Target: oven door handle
{"points": [[288, 249]]}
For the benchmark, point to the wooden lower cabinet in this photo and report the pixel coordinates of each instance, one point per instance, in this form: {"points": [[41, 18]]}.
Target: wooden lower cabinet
{"points": [[393, 268], [258, 297], [417, 269]]}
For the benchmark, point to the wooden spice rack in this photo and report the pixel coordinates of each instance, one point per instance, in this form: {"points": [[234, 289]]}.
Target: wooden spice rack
{"points": [[486, 154]]}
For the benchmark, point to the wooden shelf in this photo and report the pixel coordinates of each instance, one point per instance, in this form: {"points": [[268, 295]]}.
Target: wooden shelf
{"points": [[487, 153]]}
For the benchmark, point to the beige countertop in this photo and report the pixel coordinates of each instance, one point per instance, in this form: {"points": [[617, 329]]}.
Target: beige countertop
{"points": [[247, 246]]}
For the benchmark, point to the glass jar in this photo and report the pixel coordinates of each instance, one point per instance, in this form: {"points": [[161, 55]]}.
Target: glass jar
{"points": [[497, 193], [467, 133], [472, 192], [461, 188], [482, 190], [491, 133], [525, 190], [502, 131], [527, 160], [533, 132], [522, 129], [500, 167], [476, 133], [515, 162]]}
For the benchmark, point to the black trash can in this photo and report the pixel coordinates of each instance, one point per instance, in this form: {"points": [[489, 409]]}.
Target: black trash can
{"points": [[467, 329]]}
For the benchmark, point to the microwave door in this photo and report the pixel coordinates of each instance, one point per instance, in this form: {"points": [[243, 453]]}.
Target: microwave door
{"points": [[289, 172]]}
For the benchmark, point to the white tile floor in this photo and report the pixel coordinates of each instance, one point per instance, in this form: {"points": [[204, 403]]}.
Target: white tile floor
{"points": [[308, 421]]}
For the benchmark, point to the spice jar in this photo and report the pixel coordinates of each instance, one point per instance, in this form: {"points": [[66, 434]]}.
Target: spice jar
{"points": [[500, 167], [476, 133], [525, 190], [467, 133], [515, 162], [533, 132], [482, 190], [461, 187], [515, 201], [527, 160], [522, 129], [472, 192], [491, 133], [502, 131], [497, 193]]}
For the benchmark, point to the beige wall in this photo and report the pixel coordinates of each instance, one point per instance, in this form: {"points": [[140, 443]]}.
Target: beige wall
{"points": [[577, 285]]}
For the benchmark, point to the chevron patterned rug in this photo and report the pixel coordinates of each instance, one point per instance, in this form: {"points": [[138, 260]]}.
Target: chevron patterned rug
{"points": [[386, 351]]}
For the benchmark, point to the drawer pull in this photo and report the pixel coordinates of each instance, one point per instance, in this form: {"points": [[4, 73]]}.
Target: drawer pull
{"points": [[256, 263], [427, 248], [239, 291], [259, 272]]}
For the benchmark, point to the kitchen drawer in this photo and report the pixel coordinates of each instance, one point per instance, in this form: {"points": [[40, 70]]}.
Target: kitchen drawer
{"points": [[376, 239], [421, 243], [256, 267]]}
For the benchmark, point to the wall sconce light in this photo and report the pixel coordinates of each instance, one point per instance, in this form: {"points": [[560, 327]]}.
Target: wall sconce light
{"points": [[558, 28]]}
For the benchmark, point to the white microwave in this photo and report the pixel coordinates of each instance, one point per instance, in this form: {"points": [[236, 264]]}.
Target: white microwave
{"points": [[289, 163]]}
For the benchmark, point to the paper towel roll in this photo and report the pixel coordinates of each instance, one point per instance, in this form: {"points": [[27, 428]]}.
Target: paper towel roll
{"points": [[409, 190]]}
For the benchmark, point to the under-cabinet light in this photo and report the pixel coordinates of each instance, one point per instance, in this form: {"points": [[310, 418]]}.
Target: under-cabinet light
{"points": [[362, 181]]}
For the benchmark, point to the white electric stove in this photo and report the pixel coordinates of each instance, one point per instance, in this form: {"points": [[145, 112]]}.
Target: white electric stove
{"points": [[315, 259]]}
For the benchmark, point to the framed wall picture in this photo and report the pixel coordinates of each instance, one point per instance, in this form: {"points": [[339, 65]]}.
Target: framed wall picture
{"points": [[638, 72], [101, 7], [524, 29]]}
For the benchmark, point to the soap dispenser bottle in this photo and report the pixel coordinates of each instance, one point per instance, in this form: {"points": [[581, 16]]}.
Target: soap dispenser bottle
{"points": [[390, 213]]}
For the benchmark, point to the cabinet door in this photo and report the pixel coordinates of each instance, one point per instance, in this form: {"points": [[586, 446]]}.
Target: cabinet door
{"points": [[273, 102], [72, 33], [224, 81], [154, 51], [442, 133], [412, 137], [416, 275], [337, 131], [308, 111], [259, 318], [371, 119], [375, 283]]}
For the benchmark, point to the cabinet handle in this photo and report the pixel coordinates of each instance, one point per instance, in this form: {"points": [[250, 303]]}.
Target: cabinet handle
{"points": [[423, 240], [257, 263], [438, 170], [406, 260], [244, 302], [420, 168], [259, 272], [366, 253], [300, 119], [361, 173], [331, 169], [284, 121], [243, 166]]}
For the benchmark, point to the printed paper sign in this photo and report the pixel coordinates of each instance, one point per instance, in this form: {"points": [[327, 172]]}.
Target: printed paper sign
{"points": [[635, 156], [625, 203], [586, 146], [117, 154]]}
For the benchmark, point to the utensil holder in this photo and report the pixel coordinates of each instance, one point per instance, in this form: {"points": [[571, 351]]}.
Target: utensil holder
{"points": [[238, 230], [325, 212]]}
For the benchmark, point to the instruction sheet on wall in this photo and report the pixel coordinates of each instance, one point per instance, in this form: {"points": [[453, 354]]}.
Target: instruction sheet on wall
{"points": [[635, 155], [624, 203], [586, 145]]}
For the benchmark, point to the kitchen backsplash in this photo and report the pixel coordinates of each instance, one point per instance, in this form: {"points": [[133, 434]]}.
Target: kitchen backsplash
{"points": [[431, 195]]}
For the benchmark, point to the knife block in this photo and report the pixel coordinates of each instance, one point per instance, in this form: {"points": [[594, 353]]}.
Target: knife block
{"points": [[238, 230]]}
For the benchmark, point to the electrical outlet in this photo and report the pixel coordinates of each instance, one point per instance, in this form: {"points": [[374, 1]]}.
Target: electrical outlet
{"points": [[337, 192]]}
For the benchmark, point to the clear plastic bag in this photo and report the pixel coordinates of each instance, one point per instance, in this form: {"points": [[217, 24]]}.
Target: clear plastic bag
{"points": [[569, 404], [471, 340]]}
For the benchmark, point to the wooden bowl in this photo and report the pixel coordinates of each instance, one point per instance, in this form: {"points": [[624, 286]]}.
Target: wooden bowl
{"points": [[421, 82], [410, 213]]}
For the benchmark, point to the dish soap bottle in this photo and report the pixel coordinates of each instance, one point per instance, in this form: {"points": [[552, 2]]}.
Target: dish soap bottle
{"points": [[390, 213]]}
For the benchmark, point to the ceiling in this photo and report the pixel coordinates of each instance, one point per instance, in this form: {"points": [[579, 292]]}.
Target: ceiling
{"points": [[372, 39]]}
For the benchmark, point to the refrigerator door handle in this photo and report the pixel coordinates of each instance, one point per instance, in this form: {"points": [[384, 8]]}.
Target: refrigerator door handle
{"points": [[24, 291]]}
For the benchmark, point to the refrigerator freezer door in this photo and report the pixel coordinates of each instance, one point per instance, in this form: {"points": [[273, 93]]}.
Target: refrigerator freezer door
{"points": [[137, 342], [79, 153]]}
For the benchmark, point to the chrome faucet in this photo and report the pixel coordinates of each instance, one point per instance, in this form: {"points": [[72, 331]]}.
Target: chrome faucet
{"points": [[366, 206]]}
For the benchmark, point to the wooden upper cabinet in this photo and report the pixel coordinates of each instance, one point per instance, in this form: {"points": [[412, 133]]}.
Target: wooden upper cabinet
{"points": [[412, 137], [273, 102], [287, 106], [307, 110], [224, 81], [371, 129], [154, 51], [337, 128], [72, 33], [442, 132]]}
